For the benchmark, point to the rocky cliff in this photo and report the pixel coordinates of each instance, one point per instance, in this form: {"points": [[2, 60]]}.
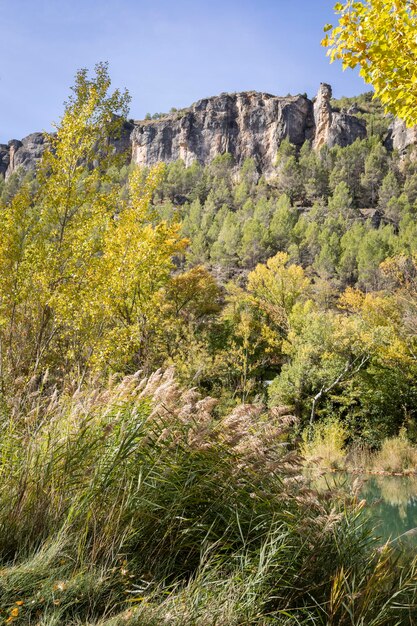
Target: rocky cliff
{"points": [[248, 124], [334, 128], [400, 137], [25, 153]]}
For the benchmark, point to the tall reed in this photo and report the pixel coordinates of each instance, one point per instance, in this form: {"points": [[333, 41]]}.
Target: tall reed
{"points": [[136, 504]]}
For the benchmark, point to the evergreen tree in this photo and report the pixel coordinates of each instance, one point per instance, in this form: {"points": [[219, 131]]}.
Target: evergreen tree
{"points": [[253, 243], [282, 224], [390, 189], [288, 174], [374, 171]]}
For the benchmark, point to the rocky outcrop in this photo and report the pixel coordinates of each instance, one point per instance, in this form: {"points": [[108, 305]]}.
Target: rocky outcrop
{"points": [[248, 124], [400, 137], [345, 129], [322, 116], [25, 153], [4, 158], [334, 128]]}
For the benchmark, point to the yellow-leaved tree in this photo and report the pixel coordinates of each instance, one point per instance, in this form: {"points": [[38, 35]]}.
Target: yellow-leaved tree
{"points": [[258, 321], [380, 37], [82, 260]]}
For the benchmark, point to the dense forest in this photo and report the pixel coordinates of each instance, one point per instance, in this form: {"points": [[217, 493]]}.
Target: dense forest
{"points": [[299, 290], [172, 341]]}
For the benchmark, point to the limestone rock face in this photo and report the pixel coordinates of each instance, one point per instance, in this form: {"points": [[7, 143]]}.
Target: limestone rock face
{"points": [[25, 153], [28, 152], [322, 116], [4, 158], [334, 128], [345, 129], [248, 124], [400, 137]]}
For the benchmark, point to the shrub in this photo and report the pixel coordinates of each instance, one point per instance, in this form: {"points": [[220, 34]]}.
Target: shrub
{"points": [[323, 444], [396, 454]]}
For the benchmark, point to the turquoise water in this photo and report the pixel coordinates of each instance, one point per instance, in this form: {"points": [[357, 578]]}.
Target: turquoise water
{"points": [[391, 503]]}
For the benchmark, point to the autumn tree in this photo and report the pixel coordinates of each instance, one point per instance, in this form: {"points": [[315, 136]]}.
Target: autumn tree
{"points": [[379, 36], [81, 260]]}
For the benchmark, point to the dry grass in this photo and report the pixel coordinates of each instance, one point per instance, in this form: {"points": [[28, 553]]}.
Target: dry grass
{"points": [[324, 445], [359, 458], [397, 454], [137, 504]]}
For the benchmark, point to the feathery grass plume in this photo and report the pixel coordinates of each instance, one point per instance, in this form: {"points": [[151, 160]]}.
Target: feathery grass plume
{"points": [[136, 504]]}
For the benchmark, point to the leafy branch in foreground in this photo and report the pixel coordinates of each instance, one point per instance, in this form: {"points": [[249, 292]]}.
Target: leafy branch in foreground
{"points": [[379, 36]]}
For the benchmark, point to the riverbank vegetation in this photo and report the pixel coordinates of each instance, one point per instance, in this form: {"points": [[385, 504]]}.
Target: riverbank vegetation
{"points": [[137, 504], [171, 340], [325, 447]]}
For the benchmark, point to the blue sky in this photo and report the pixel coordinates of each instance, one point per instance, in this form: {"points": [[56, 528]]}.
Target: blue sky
{"points": [[168, 53]]}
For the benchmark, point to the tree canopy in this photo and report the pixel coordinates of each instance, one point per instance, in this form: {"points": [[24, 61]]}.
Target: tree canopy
{"points": [[81, 264], [380, 37]]}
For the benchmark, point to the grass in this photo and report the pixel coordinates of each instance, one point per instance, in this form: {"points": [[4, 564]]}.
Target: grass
{"points": [[397, 454], [135, 504], [325, 446]]}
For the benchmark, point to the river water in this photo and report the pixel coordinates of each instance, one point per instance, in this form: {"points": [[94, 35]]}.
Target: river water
{"points": [[391, 502]]}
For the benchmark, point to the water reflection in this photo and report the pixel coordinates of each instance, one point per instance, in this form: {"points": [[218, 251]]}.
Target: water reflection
{"points": [[391, 502]]}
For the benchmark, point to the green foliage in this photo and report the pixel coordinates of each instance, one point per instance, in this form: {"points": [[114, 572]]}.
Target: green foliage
{"points": [[379, 37], [81, 262], [234, 219], [134, 504]]}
